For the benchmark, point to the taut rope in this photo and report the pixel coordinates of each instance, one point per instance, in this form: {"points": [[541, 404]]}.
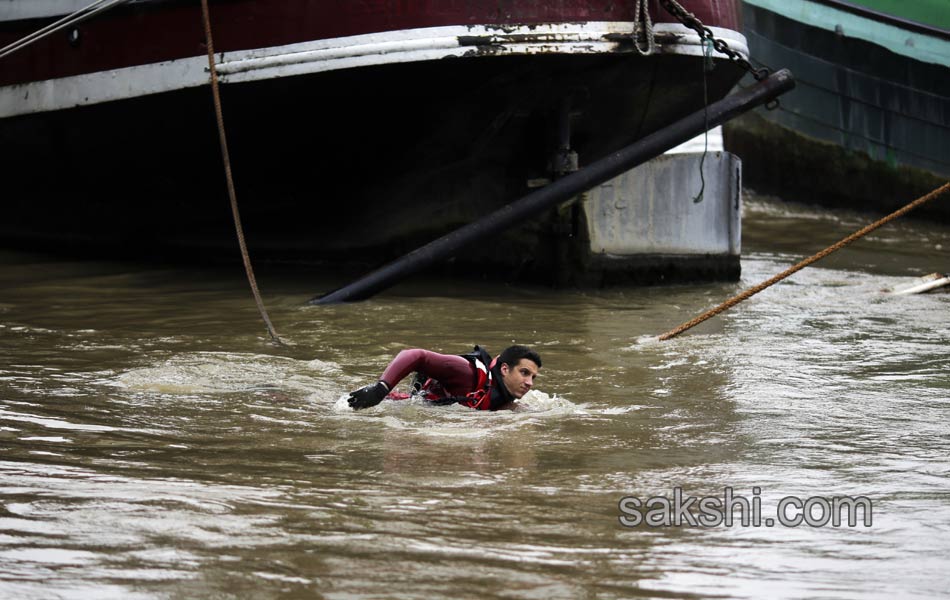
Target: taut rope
{"points": [[227, 173], [73, 19], [812, 259]]}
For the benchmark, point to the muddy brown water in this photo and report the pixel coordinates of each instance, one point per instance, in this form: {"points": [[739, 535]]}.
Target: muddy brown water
{"points": [[153, 444]]}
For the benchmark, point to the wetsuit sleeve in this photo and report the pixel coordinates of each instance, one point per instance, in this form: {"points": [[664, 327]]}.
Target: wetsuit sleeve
{"points": [[452, 371]]}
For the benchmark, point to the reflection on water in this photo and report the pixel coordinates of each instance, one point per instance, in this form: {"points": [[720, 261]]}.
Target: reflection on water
{"points": [[154, 444]]}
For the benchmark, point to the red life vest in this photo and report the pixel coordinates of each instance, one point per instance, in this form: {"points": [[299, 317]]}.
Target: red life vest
{"points": [[490, 392], [480, 399]]}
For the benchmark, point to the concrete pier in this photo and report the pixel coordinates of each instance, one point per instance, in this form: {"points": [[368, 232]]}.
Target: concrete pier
{"points": [[650, 226]]}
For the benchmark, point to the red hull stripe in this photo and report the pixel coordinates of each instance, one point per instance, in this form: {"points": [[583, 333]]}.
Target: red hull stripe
{"points": [[154, 32]]}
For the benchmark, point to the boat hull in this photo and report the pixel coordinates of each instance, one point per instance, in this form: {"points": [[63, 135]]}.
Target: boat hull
{"points": [[355, 163], [868, 123]]}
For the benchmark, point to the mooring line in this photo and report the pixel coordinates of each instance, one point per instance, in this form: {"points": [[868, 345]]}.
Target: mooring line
{"points": [[812, 259], [227, 173], [72, 19]]}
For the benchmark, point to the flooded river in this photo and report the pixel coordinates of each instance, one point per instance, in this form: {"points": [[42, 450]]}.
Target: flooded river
{"points": [[153, 444]]}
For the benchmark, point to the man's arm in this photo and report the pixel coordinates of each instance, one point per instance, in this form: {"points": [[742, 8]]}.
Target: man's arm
{"points": [[452, 371]]}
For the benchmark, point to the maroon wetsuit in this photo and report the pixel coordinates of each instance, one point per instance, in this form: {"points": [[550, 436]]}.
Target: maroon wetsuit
{"points": [[455, 373]]}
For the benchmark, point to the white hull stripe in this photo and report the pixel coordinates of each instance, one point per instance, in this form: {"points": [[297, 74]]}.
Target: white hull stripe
{"points": [[411, 45]]}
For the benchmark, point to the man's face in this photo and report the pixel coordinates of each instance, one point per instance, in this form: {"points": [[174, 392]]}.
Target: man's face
{"points": [[519, 379]]}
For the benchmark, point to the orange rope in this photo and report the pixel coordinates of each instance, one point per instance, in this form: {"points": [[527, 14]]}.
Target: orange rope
{"points": [[812, 259], [227, 173]]}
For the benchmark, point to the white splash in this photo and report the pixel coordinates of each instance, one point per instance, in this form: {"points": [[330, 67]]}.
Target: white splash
{"points": [[224, 372]]}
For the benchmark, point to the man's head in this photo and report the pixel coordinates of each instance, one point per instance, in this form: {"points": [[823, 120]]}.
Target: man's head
{"points": [[518, 366]]}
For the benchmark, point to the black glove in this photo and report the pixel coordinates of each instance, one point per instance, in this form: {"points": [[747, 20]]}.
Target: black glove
{"points": [[368, 396]]}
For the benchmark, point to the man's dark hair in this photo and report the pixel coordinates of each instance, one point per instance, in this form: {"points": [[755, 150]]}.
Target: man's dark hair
{"points": [[513, 354]]}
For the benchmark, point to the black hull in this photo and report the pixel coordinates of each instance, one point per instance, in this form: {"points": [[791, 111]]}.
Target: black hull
{"points": [[359, 165]]}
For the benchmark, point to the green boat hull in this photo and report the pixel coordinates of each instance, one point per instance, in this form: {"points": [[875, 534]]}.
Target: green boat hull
{"points": [[869, 122]]}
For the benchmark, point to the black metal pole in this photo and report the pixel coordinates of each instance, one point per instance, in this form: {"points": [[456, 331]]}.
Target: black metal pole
{"points": [[563, 189]]}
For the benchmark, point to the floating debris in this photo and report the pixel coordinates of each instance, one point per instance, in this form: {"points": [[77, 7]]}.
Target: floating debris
{"points": [[925, 284]]}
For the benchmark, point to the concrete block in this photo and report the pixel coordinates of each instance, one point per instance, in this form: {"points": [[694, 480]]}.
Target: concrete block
{"points": [[653, 209]]}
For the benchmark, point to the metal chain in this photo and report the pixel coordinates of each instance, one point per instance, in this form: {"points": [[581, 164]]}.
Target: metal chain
{"points": [[689, 19]]}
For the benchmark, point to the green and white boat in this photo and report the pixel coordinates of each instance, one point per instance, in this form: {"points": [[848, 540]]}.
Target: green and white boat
{"points": [[869, 122]]}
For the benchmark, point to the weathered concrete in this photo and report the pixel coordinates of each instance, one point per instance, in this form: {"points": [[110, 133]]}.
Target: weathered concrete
{"points": [[654, 209], [648, 226]]}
